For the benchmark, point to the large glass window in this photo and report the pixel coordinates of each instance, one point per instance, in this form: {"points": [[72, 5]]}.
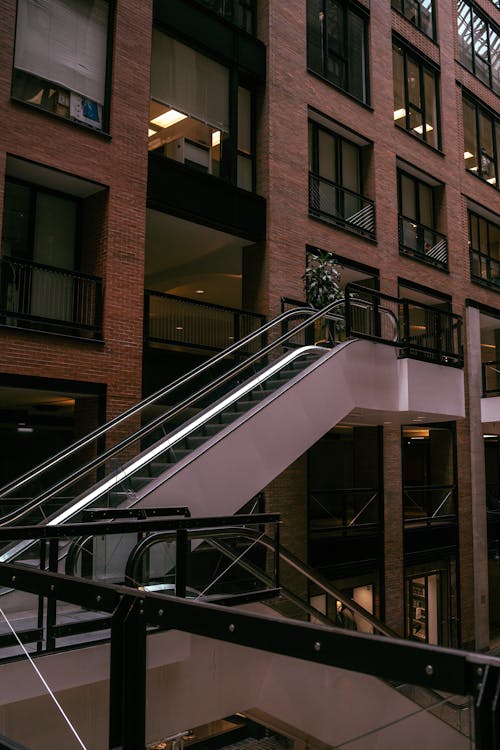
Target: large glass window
{"points": [[484, 244], [418, 236], [335, 181], [479, 44], [239, 12], [194, 116], [418, 12], [415, 96], [60, 62], [481, 141], [337, 45]]}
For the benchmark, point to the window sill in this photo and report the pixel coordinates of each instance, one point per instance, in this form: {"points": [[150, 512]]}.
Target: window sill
{"points": [[53, 115], [340, 89], [485, 283], [485, 182], [343, 226], [435, 149]]}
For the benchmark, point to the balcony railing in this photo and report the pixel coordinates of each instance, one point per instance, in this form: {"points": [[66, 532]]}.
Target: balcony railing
{"points": [[178, 321], [422, 243], [239, 12], [429, 504], [491, 378], [420, 331], [350, 509], [337, 204], [41, 297], [484, 268]]}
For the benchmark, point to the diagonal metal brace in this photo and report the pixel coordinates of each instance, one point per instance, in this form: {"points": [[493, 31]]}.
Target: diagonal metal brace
{"points": [[487, 707]]}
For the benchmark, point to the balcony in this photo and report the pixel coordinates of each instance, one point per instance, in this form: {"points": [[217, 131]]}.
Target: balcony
{"points": [[45, 298], [241, 13], [186, 323], [338, 205], [484, 269], [422, 243]]}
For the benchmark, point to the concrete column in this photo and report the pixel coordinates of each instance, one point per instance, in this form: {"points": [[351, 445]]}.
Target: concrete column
{"points": [[393, 525], [478, 556]]}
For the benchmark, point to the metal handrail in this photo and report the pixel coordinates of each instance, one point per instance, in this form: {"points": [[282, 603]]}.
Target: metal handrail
{"points": [[311, 314]]}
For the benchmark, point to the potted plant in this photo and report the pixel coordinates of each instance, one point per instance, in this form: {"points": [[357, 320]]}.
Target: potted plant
{"points": [[322, 287]]}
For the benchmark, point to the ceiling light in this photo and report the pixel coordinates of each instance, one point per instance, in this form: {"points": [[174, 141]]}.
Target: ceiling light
{"points": [[200, 291], [399, 113], [490, 436], [468, 155], [472, 169], [168, 118], [23, 427], [492, 180], [179, 328], [151, 132], [420, 128], [216, 138]]}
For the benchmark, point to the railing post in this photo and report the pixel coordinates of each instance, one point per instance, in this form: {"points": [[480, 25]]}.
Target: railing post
{"points": [[181, 552], [51, 600], [483, 377], [127, 698], [277, 555], [146, 317], [347, 311]]}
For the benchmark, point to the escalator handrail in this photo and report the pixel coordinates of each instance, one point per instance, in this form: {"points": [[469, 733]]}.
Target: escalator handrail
{"points": [[51, 462]]}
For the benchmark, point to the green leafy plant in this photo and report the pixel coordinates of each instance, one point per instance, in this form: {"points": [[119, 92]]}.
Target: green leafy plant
{"points": [[321, 280]]}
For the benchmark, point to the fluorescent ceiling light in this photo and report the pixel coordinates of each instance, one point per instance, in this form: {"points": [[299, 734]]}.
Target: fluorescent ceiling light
{"points": [[399, 113], [216, 138], [472, 169], [200, 291], [420, 128], [492, 180], [168, 118], [490, 436], [151, 132], [468, 155]]}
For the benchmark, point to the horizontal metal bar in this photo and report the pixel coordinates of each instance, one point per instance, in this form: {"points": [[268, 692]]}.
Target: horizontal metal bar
{"points": [[391, 659]]}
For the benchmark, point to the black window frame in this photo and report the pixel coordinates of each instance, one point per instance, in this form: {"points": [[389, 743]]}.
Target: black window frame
{"points": [[482, 252], [346, 7], [423, 67], [490, 26], [46, 84], [405, 7], [229, 11], [481, 172]]}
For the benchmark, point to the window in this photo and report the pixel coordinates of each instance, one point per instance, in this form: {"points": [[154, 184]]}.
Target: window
{"points": [[418, 12], [239, 12], [484, 245], [60, 62], [337, 45], [479, 45], [417, 221], [191, 113], [415, 96], [335, 181], [481, 142]]}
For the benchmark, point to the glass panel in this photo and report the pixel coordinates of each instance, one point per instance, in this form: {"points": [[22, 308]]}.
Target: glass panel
{"points": [[417, 122], [430, 109], [474, 231], [417, 610], [481, 62], [244, 172], [327, 156], [356, 56], [495, 60], [336, 56], [16, 220], [470, 136], [244, 120], [315, 35], [55, 231], [414, 84], [399, 86], [487, 165], [350, 167], [494, 241], [464, 34], [426, 206], [408, 202], [426, 21]]}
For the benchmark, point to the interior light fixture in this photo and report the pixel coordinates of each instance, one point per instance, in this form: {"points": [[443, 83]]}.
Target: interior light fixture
{"points": [[179, 328], [23, 428], [151, 132], [215, 138], [168, 118], [420, 128], [468, 155], [200, 291], [490, 436], [472, 169], [492, 180], [399, 113]]}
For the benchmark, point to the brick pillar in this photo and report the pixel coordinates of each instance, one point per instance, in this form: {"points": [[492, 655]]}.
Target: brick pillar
{"points": [[393, 524]]}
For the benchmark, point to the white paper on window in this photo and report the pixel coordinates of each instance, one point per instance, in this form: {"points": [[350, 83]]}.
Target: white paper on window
{"points": [[64, 41], [189, 82]]}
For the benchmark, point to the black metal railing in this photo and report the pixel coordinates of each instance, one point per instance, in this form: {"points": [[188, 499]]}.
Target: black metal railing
{"points": [[351, 509], [335, 203], [484, 268], [38, 296], [422, 242], [491, 378], [172, 320], [429, 504], [420, 331], [239, 12]]}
